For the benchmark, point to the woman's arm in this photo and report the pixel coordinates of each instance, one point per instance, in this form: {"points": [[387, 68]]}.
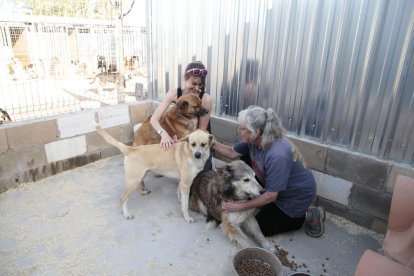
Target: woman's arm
{"points": [[225, 150], [166, 140], [207, 103], [259, 201]]}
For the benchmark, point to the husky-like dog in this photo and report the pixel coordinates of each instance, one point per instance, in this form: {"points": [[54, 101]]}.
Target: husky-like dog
{"points": [[234, 182]]}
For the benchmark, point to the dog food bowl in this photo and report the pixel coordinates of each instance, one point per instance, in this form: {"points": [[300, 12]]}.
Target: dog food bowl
{"points": [[257, 259]]}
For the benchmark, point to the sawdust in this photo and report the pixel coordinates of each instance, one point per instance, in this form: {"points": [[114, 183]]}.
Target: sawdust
{"points": [[353, 228], [35, 229]]}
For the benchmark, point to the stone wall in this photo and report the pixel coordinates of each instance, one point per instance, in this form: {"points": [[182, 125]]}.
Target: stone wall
{"points": [[352, 185]]}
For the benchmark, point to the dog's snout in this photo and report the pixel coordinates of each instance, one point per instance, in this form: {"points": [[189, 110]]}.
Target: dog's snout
{"points": [[262, 191], [197, 155]]}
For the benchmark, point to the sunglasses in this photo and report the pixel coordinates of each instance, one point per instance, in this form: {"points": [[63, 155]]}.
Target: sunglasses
{"points": [[198, 72]]}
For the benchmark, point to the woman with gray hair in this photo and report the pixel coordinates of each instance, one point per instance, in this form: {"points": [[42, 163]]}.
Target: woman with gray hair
{"points": [[280, 168]]}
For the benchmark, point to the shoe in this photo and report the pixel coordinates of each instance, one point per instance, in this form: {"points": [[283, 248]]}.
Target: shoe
{"points": [[315, 227]]}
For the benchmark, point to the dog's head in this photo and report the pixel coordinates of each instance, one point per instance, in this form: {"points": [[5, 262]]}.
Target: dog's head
{"points": [[240, 182], [189, 105], [4, 117], [199, 143]]}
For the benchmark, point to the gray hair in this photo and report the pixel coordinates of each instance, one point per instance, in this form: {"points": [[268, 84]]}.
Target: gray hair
{"points": [[256, 118]]}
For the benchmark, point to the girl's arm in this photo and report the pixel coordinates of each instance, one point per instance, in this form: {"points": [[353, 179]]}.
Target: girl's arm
{"points": [[204, 120], [166, 140]]}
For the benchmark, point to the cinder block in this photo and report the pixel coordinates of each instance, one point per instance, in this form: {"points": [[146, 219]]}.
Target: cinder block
{"points": [[139, 112], [3, 141], [333, 188], [356, 216], [127, 134], [79, 161], [87, 159], [153, 105], [313, 153], [28, 176], [7, 183], [397, 169], [55, 167], [32, 134], [379, 226], [109, 152], [114, 115], [374, 202], [16, 161], [95, 141], [64, 149], [76, 124], [358, 169], [224, 130]]}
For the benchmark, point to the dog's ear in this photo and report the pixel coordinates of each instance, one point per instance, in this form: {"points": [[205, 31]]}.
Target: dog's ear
{"points": [[210, 139], [185, 139], [182, 106], [228, 188], [228, 173]]}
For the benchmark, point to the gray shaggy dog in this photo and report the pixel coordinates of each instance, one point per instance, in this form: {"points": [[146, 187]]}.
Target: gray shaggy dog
{"points": [[234, 182]]}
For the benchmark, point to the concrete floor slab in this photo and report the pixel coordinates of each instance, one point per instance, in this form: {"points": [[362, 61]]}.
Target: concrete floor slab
{"points": [[71, 223]]}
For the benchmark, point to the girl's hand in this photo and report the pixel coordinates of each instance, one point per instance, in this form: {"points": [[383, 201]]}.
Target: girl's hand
{"points": [[166, 141]]}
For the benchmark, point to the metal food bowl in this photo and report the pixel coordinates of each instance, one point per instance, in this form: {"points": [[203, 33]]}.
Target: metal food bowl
{"points": [[259, 254]]}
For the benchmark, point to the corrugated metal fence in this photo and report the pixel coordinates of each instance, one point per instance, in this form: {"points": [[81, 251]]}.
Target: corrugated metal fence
{"points": [[339, 71]]}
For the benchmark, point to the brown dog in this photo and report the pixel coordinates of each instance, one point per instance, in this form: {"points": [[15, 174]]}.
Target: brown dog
{"points": [[183, 161], [179, 120]]}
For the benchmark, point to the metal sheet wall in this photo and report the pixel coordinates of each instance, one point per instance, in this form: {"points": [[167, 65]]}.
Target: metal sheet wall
{"points": [[337, 71]]}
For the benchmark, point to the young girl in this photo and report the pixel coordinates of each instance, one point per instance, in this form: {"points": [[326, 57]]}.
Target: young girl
{"points": [[194, 82]]}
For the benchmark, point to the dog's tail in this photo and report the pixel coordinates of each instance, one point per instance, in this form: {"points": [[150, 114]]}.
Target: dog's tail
{"points": [[108, 138]]}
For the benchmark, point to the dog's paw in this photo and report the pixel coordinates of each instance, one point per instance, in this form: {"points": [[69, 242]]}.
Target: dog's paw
{"points": [[129, 216], [145, 192], [189, 219], [269, 247], [210, 225]]}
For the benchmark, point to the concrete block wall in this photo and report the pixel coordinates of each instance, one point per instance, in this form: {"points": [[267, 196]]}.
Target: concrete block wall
{"points": [[35, 149], [355, 186], [352, 185]]}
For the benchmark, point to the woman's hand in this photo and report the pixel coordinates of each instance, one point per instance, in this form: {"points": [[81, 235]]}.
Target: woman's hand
{"points": [[166, 141], [231, 206]]}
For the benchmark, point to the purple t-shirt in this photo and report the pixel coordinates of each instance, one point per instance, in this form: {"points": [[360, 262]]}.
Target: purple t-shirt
{"points": [[282, 169]]}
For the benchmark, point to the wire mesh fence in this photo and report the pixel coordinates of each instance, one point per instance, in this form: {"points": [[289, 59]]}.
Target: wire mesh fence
{"points": [[51, 65]]}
